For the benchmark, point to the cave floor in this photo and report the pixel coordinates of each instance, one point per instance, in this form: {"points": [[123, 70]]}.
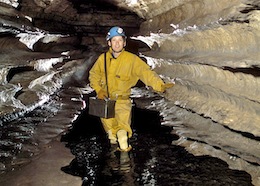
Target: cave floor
{"points": [[44, 169], [83, 156], [152, 161]]}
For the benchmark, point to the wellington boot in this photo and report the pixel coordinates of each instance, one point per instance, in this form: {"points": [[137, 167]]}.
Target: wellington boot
{"points": [[122, 139]]}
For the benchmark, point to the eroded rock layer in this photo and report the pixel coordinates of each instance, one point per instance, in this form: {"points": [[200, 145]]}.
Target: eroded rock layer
{"points": [[209, 48]]}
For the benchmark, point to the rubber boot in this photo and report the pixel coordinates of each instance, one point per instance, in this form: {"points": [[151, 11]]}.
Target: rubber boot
{"points": [[112, 138], [123, 141]]}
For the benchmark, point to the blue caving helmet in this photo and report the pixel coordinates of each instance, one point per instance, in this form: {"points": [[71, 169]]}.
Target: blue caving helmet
{"points": [[115, 31]]}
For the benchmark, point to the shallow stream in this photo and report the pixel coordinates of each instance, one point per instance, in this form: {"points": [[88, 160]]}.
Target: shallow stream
{"points": [[152, 161]]}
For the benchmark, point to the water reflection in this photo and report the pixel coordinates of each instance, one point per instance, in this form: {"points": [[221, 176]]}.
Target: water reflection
{"points": [[97, 163], [118, 161], [152, 161], [119, 168]]}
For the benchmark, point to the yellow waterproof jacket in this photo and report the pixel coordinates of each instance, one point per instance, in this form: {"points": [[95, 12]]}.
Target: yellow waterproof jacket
{"points": [[123, 73]]}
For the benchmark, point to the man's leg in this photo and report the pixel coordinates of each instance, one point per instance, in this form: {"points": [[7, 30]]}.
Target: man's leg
{"points": [[123, 117], [110, 129]]}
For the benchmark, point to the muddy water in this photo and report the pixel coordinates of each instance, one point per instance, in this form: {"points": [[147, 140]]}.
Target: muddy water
{"points": [[152, 161]]}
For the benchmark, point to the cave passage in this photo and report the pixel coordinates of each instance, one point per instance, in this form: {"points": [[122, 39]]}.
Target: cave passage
{"points": [[152, 161]]}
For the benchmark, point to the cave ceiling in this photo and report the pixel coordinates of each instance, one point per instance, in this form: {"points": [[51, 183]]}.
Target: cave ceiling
{"points": [[79, 16]]}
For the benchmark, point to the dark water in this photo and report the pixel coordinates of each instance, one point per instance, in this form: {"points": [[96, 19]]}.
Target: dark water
{"points": [[152, 161]]}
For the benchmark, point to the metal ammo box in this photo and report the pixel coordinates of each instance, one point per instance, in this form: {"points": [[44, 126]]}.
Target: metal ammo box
{"points": [[102, 108]]}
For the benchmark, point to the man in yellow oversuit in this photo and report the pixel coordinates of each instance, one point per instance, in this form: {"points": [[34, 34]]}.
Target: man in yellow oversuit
{"points": [[124, 69]]}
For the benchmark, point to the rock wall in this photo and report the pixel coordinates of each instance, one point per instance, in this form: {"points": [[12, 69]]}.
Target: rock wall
{"points": [[209, 48], [214, 63]]}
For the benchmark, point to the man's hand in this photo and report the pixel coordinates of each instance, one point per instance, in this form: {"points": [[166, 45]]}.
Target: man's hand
{"points": [[166, 86], [102, 94]]}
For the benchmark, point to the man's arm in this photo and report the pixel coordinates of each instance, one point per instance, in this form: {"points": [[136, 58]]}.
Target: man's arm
{"points": [[147, 76]]}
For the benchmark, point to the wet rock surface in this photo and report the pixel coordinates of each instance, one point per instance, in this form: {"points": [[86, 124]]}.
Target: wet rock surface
{"points": [[209, 49], [44, 169]]}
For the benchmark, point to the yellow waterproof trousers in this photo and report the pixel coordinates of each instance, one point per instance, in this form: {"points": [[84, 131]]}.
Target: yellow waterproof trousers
{"points": [[122, 119]]}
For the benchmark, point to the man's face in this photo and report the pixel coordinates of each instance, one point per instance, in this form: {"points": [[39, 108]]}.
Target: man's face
{"points": [[117, 43]]}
